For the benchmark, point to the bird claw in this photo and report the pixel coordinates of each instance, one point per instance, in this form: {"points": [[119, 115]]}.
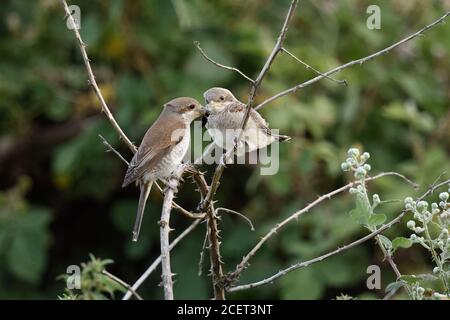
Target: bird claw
{"points": [[171, 183]]}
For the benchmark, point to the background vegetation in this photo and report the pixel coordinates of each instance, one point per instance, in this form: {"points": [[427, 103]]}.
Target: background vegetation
{"points": [[60, 194]]}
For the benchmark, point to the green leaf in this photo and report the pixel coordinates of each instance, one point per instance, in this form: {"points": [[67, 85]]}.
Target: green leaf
{"points": [[362, 211], [401, 242], [386, 242], [376, 219], [394, 286], [412, 279]]}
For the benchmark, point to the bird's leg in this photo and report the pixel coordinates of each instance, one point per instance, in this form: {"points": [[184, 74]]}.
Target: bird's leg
{"points": [[188, 167], [172, 183]]}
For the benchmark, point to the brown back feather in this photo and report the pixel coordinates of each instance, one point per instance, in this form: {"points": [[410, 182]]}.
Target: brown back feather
{"points": [[158, 141]]}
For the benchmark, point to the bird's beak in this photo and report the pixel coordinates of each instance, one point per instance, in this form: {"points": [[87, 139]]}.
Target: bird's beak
{"points": [[205, 111]]}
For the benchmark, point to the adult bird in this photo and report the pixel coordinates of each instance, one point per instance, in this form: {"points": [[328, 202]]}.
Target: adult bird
{"points": [[162, 149]]}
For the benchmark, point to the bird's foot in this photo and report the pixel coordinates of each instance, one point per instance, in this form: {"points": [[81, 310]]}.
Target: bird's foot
{"points": [[171, 183], [189, 167]]}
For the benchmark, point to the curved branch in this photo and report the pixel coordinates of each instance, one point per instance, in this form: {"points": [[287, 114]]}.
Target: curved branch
{"points": [[338, 250], [245, 260], [305, 264], [351, 63], [197, 44], [93, 83]]}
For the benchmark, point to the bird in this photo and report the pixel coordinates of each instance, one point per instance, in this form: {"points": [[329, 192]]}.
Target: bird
{"points": [[162, 149], [225, 115]]}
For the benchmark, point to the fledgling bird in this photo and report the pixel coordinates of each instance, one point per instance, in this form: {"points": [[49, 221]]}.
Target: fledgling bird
{"points": [[162, 149], [225, 117]]}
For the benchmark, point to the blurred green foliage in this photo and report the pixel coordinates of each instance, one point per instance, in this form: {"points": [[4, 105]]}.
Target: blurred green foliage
{"points": [[395, 107], [93, 285]]}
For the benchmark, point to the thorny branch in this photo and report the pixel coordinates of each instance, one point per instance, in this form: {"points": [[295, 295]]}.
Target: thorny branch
{"points": [[232, 276], [338, 250], [207, 203], [197, 44], [351, 63], [93, 83], [307, 66], [169, 194], [122, 283], [155, 263], [208, 192]]}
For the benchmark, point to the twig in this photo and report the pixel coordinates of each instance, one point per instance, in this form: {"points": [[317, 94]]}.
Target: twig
{"points": [[214, 253], [307, 66], [180, 208], [110, 148], [155, 263], [93, 83], [238, 214], [122, 283], [351, 63], [318, 259], [202, 254], [164, 230], [206, 205], [165, 215], [197, 44], [245, 260], [388, 257], [277, 48], [338, 250]]}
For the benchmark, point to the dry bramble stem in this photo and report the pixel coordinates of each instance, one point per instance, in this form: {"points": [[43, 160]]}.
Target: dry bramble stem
{"points": [[93, 83], [338, 250], [169, 194], [245, 260], [352, 63]]}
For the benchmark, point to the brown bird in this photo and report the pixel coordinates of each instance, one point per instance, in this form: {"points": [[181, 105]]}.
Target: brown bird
{"points": [[162, 149], [225, 117]]}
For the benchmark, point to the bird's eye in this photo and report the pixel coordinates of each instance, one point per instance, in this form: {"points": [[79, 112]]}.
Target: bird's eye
{"points": [[192, 106], [222, 98]]}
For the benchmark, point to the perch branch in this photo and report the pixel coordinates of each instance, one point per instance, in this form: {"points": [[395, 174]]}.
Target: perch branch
{"points": [[277, 48], [155, 263], [351, 63], [206, 204], [338, 250]]}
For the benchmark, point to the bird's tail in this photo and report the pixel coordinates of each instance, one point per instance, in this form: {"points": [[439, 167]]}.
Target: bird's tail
{"points": [[282, 138], [145, 191]]}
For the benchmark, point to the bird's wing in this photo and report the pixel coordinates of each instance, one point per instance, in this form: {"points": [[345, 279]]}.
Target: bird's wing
{"points": [[157, 143], [236, 106], [255, 117], [260, 122]]}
